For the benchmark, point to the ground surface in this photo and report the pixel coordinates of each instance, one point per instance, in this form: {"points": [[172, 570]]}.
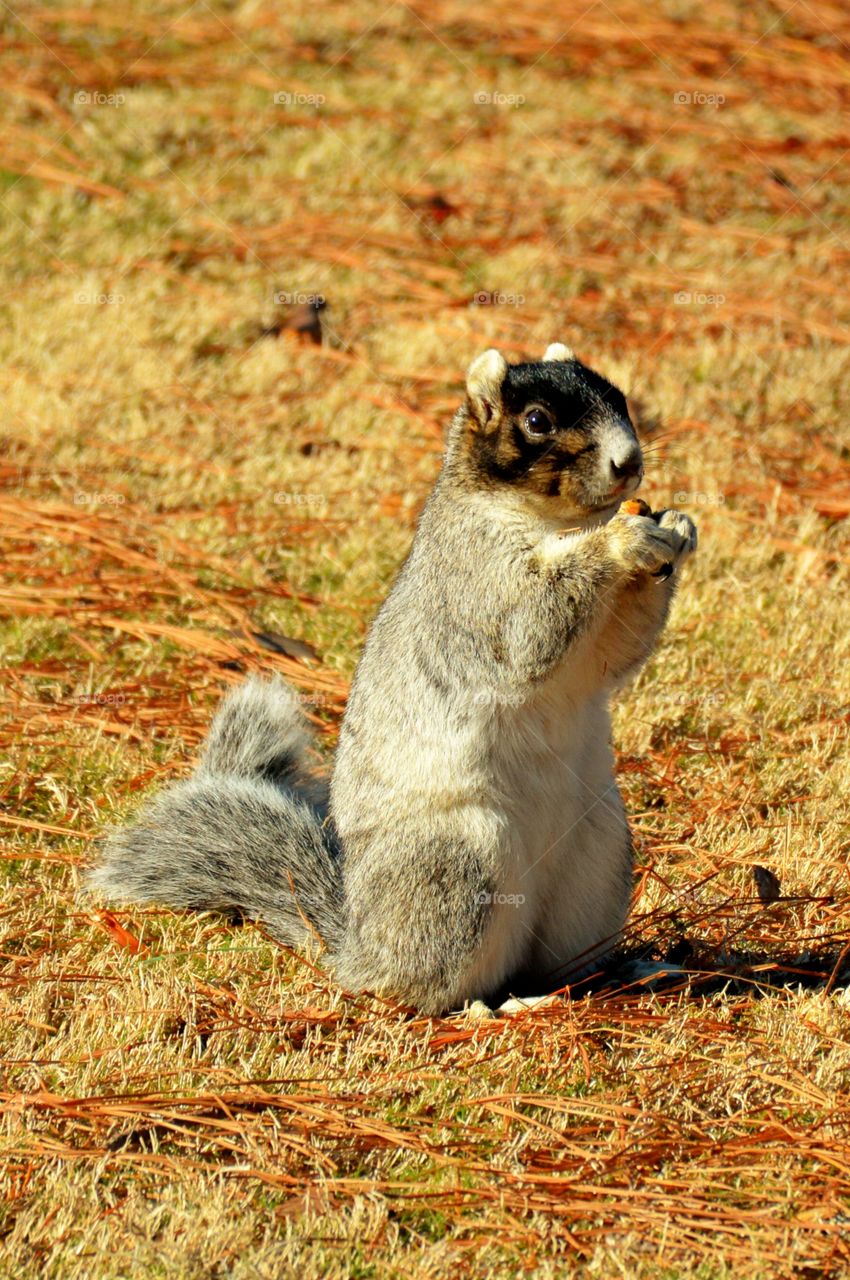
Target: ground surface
{"points": [[663, 186]]}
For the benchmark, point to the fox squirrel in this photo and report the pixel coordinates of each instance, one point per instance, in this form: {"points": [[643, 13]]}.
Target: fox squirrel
{"points": [[473, 841]]}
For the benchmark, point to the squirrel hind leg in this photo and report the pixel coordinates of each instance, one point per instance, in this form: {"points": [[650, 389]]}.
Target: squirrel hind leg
{"points": [[259, 731]]}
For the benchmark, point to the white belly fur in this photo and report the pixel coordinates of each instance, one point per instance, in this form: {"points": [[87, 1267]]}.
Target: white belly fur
{"points": [[563, 887]]}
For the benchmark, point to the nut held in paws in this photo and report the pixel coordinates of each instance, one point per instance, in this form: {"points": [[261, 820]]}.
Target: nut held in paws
{"points": [[635, 507]]}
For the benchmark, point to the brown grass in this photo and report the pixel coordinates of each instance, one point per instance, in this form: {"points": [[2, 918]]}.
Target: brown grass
{"points": [[179, 493]]}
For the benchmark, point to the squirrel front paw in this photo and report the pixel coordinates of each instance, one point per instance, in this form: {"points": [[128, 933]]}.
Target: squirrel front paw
{"points": [[652, 544], [683, 529]]}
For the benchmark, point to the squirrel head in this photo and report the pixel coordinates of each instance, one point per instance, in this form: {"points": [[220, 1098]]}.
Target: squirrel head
{"points": [[553, 432]]}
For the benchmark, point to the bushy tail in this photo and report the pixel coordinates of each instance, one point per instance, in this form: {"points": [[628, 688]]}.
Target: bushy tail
{"points": [[258, 732], [242, 834]]}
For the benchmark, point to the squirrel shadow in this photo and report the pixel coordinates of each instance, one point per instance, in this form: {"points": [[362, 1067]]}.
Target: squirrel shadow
{"points": [[697, 970], [671, 952]]}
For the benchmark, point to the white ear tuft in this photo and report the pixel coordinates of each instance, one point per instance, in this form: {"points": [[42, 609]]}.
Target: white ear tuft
{"points": [[486, 373], [557, 351], [484, 380]]}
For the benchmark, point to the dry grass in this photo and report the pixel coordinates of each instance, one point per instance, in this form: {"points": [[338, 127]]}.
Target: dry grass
{"points": [[181, 1098]]}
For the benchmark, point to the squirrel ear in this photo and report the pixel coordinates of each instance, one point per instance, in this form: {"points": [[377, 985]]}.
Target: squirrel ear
{"points": [[484, 380], [557, 351]]}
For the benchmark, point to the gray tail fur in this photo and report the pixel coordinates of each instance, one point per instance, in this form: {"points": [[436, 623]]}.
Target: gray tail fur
{"points": [[243, 834], [258, 732]]}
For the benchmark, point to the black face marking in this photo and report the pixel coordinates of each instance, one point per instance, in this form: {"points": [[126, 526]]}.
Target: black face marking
{"points": [[545, 433], [568, 388]]}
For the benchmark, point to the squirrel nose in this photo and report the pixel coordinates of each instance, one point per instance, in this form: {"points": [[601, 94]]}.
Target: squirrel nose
{"points": [[627, 466]]}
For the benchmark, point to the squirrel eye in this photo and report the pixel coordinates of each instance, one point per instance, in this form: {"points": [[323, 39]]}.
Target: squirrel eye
{"points": [[538, 423]]}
